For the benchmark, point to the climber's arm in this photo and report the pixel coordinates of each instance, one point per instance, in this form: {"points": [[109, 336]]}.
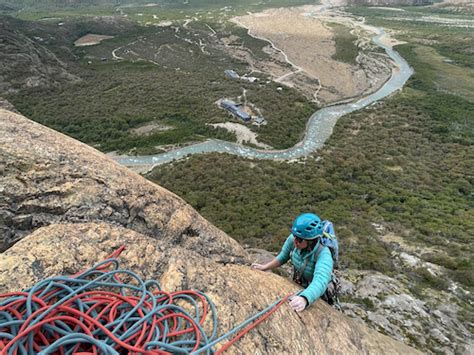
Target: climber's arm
{"points": [[281, 258]]}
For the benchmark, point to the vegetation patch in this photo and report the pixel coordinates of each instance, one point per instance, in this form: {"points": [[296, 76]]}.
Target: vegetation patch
{"points": [[346, 48], [367, 303]]}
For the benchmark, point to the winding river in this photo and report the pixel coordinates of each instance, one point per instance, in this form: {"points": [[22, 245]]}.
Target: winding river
{"points": [[318, 128]]}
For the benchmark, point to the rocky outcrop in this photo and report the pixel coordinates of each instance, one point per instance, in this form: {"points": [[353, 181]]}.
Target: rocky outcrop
{"points": [[7, 105], [386, 304], [456, 5], [49, 178], [237, 291], [64, 206]]}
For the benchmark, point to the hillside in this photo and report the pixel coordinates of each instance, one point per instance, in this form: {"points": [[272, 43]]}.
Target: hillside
{"points": [[37, 55], [26, 62], [67, 3], [390, 2], [65, 206], [14, 6]]}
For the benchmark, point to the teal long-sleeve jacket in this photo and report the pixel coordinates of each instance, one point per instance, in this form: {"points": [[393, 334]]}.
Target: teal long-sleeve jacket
{"points": [[318, 270]]}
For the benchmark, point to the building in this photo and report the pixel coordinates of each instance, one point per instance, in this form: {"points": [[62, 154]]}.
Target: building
{"points": [[227, 104], [233, 108], [240, 114], [231, 74], [250, 79]]}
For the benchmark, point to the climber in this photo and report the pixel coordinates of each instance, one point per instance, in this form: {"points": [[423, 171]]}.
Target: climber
{"points": [[312, 262]]}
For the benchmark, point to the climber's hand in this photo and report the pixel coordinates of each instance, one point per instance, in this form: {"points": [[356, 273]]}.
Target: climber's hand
{"points": [[298, 303], [256, 266]]}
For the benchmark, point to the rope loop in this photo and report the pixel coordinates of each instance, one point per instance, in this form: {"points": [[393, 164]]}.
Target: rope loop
{"points": [[94, 311]]}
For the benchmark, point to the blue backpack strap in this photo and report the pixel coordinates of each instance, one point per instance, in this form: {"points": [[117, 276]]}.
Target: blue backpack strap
{"points": [[330, 240]]}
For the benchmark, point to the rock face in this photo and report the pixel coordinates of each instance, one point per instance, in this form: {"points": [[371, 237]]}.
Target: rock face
{"points": [[7, 105], [65, 206], [49, 178]]}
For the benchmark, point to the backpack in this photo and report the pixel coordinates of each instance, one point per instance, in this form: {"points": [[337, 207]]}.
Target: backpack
{"points": [[331, 296], [329, 240]]}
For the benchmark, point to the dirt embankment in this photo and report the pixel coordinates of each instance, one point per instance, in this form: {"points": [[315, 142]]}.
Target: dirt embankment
{"points": [[308, 44], [243, 133]]}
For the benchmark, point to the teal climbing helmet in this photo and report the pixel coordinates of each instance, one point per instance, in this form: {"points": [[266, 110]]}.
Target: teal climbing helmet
{"points": [[307, 226]]}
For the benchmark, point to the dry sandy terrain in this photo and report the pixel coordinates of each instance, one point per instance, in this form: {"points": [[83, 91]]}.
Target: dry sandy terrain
{"points": [[243, 133], [386, 8], [90, 40], [308, 44], [150, 128]]}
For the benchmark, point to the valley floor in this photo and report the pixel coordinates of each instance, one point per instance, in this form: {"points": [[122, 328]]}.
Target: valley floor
{"points": [[305, 37]]}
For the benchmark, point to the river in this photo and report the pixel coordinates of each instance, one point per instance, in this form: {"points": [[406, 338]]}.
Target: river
{"points": [[318, 129]]}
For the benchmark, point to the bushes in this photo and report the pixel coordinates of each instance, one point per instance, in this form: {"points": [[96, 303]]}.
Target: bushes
{"points": [[463, 273], [425, 278]]}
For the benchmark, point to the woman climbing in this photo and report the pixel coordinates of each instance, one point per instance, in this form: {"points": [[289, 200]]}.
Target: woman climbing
{"points": [[312, 261]]}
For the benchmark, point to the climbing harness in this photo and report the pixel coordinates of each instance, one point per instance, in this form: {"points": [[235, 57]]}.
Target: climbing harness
{"points": [[331, 295], [96, 312]]}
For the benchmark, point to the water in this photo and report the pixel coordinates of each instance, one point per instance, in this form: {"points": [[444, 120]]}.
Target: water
{"points": [[318, 129]]}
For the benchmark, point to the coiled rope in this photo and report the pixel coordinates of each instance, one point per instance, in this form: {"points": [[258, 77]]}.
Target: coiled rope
{"points": [[96, 312]]}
